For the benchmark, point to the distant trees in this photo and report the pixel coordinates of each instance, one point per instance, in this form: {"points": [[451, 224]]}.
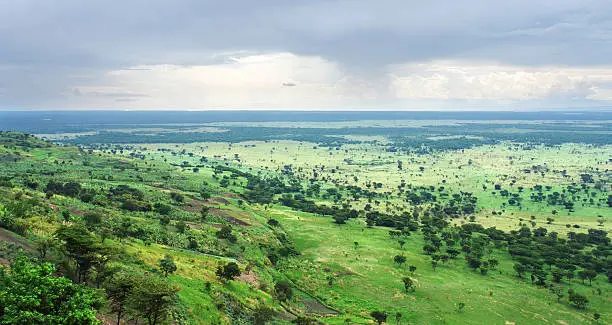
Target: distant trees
{"points": [[578, 300], [228, 271], [283, 291], [408, 284], [167, 265], [226, 233], [399, 259], [379, 316], [460, 307]]}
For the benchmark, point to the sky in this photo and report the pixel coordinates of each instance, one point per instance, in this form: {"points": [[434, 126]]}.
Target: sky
{"points": [[306, 54]]}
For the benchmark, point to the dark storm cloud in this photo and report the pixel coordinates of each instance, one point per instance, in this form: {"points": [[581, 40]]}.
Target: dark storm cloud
{"points": [[44, 42]]}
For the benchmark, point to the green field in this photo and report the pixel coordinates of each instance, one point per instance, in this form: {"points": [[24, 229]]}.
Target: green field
{"points": [[327, 221]]}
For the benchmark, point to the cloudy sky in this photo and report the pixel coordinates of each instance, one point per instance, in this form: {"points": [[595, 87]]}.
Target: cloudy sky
{"points": [[305, 54]]}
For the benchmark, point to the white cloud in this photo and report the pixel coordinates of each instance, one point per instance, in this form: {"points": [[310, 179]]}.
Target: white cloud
{"points": [[289, 81], [457, 80], [243, 82]]}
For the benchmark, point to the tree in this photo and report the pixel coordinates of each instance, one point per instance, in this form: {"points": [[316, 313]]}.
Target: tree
{"points": [[262, 315], [204, 211], [118, 290], [164, 220], [283, 291], [44, 245], [460, 307], [30, 294], [557, 291], [493, 263], [153, 298], [228, 271], [412, 268], [339, 219], [408, 284], [519, 269], [226, 233], [379, 316], [80, 245], [557, 275], [399, 259], [578, 300], [181, 226], [167, 265], [587, 274]]}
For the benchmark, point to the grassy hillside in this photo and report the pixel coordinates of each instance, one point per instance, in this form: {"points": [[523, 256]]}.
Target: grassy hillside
{"points": [[313, 234]]}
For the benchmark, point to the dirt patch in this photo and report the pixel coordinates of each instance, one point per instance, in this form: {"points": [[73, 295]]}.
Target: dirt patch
{"points": [[193, 225], [77, 212], [317, 308], [249, 277], [227, 215], [233, 196], [195, 205], [106, 319], [11, 238], [218, 200]]}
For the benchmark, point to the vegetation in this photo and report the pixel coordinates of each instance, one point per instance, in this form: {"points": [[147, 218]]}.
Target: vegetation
{"points": [[335, 225]]}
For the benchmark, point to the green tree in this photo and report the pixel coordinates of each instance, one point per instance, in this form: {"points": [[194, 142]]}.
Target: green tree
{"points": [[262, 315], [228, 271], [167, 265], [408, 283], [587, 274], [119, 290], [153, 298], [283, 291], [379, 316], [30, 294], [92, 219], [181, 226], [578, 300], [460, 307], [44, 245], [399, 259], [80, 245], [519, 269]]}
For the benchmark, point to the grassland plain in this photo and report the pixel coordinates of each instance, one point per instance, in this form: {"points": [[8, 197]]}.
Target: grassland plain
{"points": [[475, 170], [360, 259], [340, 273]]}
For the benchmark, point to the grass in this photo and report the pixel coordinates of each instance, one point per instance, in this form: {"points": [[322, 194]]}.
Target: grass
{"points": [[367, 280]]}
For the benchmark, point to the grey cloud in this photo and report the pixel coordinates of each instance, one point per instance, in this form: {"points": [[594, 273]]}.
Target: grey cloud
{"points": [[54, 39]]}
